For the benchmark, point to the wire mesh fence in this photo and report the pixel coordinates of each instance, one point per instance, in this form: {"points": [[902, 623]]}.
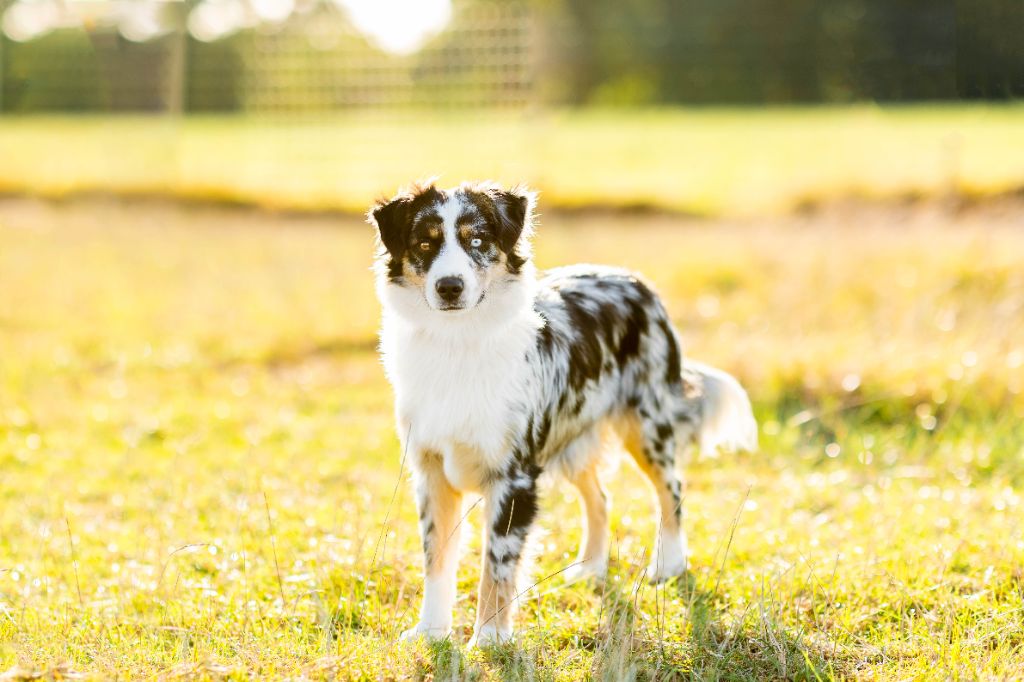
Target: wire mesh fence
{"points": [[321, 62], [315, 60], [262, 56]]}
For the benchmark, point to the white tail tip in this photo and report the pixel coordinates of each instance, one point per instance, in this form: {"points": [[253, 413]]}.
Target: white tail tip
{"points": [[728, 420]]}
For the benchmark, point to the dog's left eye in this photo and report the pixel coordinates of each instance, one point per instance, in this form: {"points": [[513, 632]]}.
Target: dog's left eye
{"points": [[476, 242]]}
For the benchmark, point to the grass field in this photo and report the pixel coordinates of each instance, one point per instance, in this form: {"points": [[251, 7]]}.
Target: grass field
{"points": [[701, 161], [199, 475]]}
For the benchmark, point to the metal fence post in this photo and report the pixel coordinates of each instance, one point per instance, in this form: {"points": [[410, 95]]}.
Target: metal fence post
{"points": [[177, 76]]}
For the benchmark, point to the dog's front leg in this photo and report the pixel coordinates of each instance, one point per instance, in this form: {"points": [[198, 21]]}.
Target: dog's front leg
{"points": [[511, 505], [439, 507]]}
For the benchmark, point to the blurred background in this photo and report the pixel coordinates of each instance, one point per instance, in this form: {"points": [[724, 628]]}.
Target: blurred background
{"points": [[322, 104], [260, 56]]}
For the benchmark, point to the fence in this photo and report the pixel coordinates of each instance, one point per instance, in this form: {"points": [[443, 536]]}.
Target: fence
{"points": [[511, 54], [316, 60]]}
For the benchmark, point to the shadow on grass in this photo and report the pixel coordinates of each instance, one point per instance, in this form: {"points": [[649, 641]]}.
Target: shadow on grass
{"points": [[710, 645], [752, 644], [632, 643]]}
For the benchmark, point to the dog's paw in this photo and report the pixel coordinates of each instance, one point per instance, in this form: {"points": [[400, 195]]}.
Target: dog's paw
{"points": [[585, 570], [490, 635], [424, 631], [663, 569], [670, 558]]}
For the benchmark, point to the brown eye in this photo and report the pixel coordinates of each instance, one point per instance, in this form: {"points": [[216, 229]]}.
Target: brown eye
{"points": [[424, 246]]}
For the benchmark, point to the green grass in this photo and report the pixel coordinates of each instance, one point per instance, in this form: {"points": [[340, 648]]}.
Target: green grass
{"points": [[197, 456], [703, 161]]}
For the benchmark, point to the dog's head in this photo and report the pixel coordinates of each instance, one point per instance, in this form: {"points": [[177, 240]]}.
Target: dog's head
{"points": [[447, 251]]}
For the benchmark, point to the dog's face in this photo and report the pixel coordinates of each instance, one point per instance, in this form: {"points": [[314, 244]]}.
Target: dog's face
{"points": [[455, 247]]}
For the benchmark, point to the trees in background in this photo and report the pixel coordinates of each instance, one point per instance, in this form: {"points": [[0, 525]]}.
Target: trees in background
{"points": [[515, 53], [781, 51]]}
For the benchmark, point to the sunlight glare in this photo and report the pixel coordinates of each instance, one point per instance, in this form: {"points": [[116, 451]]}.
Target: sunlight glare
{"points": [[399, 26], [214, 19], [143, 21], [273, 11], [27, 20]]}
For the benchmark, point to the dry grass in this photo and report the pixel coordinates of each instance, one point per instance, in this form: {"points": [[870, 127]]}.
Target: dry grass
{"points": [[196, 454]]}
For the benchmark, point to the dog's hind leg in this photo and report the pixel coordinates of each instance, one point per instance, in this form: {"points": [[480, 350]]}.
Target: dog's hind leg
{"points": [[652, 441], [579, 463], [592, 559]]}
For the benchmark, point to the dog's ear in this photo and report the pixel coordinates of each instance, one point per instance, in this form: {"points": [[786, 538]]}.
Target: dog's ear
{"points": [[515, 214], [392, 220]]}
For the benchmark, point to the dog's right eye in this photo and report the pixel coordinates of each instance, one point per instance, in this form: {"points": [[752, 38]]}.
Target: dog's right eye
{"points": [[424, 246]]}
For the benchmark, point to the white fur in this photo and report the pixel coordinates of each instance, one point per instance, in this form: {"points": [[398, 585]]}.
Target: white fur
{"points": [[456, 379], [728, 422], [670, 556], [489, 635], [438, 601]]}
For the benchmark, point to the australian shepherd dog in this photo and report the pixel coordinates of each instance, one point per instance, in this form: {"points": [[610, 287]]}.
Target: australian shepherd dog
{"points": [[501, 374]]}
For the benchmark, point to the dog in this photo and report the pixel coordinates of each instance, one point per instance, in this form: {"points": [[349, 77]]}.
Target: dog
{"points": [[500, 374]]}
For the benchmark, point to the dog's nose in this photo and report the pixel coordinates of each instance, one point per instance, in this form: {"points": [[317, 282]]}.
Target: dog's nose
{"points": [[450, 288]]}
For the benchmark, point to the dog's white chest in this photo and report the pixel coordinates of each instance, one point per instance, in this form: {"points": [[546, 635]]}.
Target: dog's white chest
{"points": [[459, 400]]}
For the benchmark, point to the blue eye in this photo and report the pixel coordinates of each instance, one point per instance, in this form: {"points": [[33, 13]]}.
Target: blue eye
{"points": [[476, 242]]}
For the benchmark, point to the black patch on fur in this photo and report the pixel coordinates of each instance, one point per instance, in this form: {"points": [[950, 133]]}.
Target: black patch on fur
{"points": [[426, 537], [421, 260], [629, 344], [546, 340], [506, 214], [517, 512], [542, 433], [647, 296], [393, 219], [585, 353], [673, 366], [504, 558]]}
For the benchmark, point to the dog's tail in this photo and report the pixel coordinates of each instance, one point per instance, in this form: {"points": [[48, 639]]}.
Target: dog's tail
{"points": [[727, 420]]}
